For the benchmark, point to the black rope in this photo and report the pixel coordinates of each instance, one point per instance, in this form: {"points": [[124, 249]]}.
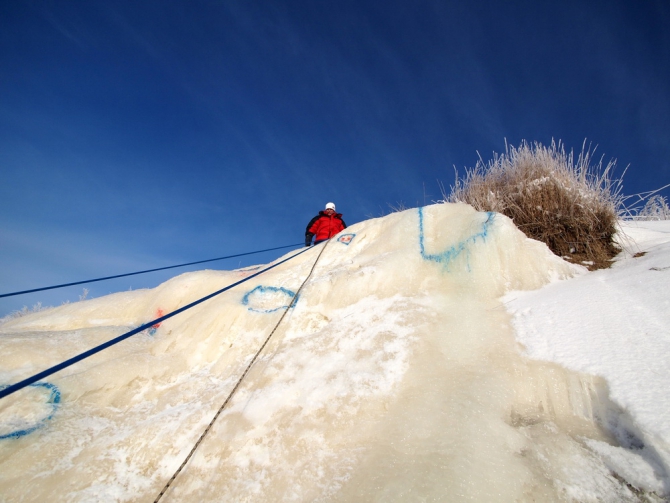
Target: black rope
{"points": [[239, 381], [26, 382], [142, 272]]}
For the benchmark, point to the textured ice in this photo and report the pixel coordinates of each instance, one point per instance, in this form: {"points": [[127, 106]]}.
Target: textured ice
{"points": [[395, 376]]}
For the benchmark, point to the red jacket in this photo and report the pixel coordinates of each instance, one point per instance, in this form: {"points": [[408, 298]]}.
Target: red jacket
{"points": [[324, 227]]}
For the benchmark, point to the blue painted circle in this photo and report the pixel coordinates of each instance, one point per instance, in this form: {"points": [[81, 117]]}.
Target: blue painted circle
{"points": [[53, 400], [261, 291]]}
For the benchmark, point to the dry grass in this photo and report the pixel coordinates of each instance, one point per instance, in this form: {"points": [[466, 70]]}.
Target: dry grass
{"points": [[571, 205], [656, 208]]}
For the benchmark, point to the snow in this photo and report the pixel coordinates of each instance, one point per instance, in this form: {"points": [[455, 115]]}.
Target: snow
{"points": [[613, 323], [435, 354]]}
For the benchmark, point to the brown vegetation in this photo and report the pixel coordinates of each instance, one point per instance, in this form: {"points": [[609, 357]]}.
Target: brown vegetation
{"points": [[571, 206]]}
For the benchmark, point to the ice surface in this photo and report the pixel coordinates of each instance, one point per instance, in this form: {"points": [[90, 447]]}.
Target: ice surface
{"points": [[395, 377]]}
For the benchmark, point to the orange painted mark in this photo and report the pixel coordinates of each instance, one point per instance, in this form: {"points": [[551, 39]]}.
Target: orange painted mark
{"points": [[159, 313]]}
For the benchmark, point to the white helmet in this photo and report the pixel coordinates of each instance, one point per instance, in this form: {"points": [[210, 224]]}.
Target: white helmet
{"points": [[330, 206]]}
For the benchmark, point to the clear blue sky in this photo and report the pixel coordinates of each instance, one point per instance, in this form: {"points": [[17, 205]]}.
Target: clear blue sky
{"points": [[138, 134]]}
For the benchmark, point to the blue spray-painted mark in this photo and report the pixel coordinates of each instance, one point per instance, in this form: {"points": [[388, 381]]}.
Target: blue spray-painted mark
{"points": [[345, 239], [53, 400], [454, 251], [260, 296]]}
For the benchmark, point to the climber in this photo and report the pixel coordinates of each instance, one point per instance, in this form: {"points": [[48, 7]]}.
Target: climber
{"points": [[324, 226]]}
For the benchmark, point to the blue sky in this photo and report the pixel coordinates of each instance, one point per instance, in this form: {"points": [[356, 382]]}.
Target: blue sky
{"points": [[139, 134]]}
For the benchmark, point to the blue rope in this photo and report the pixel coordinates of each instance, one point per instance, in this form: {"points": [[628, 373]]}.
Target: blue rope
{"points": [[142, 272], [27, 382]]}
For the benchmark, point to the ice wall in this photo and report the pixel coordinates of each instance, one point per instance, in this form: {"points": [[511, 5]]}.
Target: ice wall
{"points": [[395, 377]]}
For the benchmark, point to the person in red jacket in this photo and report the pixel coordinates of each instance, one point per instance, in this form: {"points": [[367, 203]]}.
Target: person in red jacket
{"points": [[324, 226]]}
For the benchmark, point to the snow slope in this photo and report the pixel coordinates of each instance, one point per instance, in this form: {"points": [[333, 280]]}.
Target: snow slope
{"points": [[396, 376], [614, 323]]}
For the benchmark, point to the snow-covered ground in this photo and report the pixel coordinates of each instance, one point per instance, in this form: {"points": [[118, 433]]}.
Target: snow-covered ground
{"points": [[614, 323], [398, 375]]}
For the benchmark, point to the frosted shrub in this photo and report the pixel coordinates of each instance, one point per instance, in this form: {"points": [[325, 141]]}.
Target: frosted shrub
{"points": [[569, 205], [23, 312], [656, 208]]}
